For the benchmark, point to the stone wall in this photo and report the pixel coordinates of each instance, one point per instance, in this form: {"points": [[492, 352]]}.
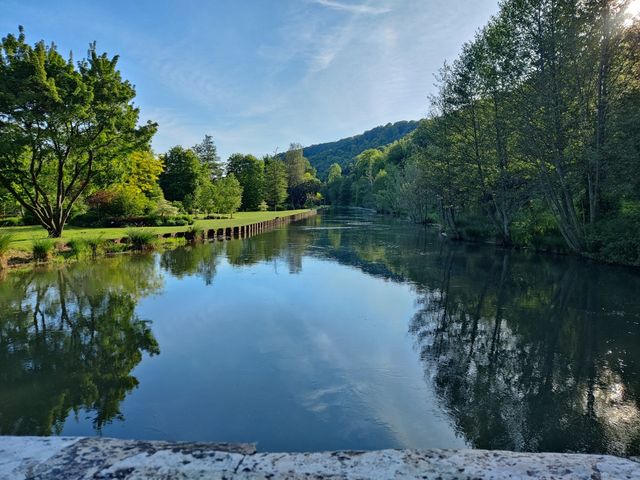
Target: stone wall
{"points": [[48, 458]]}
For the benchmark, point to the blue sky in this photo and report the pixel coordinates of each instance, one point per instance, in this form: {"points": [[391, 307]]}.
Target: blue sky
{"points": [[259, 74]]}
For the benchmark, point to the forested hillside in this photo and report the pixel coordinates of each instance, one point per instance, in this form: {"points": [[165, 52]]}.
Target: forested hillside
{"points": [[534, 139], [343, 151]]}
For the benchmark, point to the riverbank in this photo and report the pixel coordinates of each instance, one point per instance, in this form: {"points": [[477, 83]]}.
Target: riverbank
{"points": [[115, 240], [43, 458]]}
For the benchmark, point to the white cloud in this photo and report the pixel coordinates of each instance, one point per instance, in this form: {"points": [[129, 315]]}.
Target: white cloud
{"points": [[357, 8]]}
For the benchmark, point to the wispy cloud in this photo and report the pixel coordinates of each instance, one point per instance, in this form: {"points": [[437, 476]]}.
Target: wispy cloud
{"points": [[357, 8]]}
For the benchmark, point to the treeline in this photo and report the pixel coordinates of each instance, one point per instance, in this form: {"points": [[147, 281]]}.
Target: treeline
{"points": [[323, 155], [72, 150], [534, 139]]}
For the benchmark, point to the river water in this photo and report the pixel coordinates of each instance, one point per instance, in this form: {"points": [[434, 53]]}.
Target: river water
{"points": [[345, 331]]}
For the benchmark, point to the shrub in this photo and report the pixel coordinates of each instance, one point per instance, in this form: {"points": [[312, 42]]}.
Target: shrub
{"points": [[11, 222], [119, 201], [165, 209], [195, 234], [95, 244], [141, 239], [42, 249], [5, 243], [92, 220], [78, 246], [616, 239]]}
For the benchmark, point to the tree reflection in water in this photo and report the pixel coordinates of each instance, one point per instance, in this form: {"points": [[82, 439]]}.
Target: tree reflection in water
{"points": [[526, 352], [69, 339], [532, 359]]}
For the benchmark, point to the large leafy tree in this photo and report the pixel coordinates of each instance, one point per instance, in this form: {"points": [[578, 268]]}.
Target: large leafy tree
{"points": [[249, 171], [229, 194], [275, 182], [182, 176], [63, 126], [296, 164]]}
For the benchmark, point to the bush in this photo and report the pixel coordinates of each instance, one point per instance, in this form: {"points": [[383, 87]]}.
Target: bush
{"points": [[5, 243], [538, 230], [95, 244], [119, 201], [141, 239], [91, 220], [195, 234], [475, 228], [11, 222], [617, 239], [78, 246], [42, 249]]}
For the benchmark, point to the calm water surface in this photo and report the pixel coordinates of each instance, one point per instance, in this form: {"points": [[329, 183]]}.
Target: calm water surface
{"points": [[348, 330]]}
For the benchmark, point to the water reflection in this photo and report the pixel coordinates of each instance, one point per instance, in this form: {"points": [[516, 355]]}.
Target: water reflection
{"points": [[302, 327], [69, 339]]}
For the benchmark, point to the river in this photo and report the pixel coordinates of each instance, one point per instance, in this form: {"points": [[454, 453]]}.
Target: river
{"points": [[345, 331]]}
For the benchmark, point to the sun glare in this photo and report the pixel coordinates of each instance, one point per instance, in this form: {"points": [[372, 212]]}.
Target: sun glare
{"points": [[634, 8]]}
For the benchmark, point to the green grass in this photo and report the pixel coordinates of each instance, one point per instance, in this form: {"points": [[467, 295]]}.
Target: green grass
{"points": [[23, 237]]}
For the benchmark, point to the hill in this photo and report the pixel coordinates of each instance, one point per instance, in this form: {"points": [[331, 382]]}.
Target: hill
{"points": [[343, 151]]}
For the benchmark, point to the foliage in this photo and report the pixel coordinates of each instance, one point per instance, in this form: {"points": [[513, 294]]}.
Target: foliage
{"points": [[78, 246], [143, 169], [182, 176], [296, 165], [11, 222], [229, 194], [95, 244], [533, 139], [42, 249], [119, 201], [249, 172], [342, 152], [275, 182], [141, 239], [195, 234], [5, 242], [65, 127], [208, 155]]}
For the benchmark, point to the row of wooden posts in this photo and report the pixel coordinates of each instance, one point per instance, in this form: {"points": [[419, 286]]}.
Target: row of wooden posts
{"points": [[243, 231]]}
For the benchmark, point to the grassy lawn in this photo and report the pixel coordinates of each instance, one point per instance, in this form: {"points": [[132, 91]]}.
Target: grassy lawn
{"points": [[24, 236]]}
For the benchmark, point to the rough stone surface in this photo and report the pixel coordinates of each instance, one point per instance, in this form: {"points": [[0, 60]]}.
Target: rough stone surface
{"points": [[33, 458]]}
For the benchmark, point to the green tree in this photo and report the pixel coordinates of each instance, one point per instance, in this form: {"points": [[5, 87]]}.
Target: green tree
{"points": [[249, 171], [182, 175], [275, 182], [229, 194], [206, 198], [296, 164], [334, 184], [208, 155], [64, 127]]}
